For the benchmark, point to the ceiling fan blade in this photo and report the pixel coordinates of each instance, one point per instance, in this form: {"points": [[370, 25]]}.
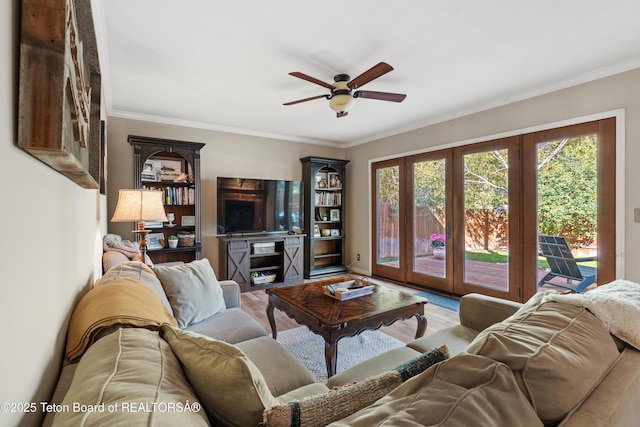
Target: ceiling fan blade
{"points": [[306, 99], [310, 79], [383, 96], [372, 73]]}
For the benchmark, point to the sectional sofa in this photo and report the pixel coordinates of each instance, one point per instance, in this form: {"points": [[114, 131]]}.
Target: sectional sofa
{"points": [[172, 346]]}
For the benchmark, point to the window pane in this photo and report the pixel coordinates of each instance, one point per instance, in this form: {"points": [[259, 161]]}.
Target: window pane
{"points": [[567, 200], [486, 213], [429, 217], [388, 222]]}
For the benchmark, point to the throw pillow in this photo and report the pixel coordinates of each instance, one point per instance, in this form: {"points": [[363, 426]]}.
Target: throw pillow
{"points": [[323, 409], [111, 259], [229, 386], [466, 390], [557, 352], [193, 291], [616, 304]]}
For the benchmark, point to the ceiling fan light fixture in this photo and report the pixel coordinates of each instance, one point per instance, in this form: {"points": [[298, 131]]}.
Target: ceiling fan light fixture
{"points": [[341, 99], [342, 103]]}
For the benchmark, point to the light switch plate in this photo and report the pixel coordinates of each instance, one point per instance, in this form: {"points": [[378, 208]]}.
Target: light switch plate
{"points": [[636, 214]]}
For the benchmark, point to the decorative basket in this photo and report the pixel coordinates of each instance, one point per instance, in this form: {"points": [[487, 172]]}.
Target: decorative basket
{"points": [[264, 248], [261, 280], [186, 239]]}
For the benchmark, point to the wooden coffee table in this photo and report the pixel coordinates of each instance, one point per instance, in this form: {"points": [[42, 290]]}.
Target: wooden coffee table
{"points": [[332, 319]]}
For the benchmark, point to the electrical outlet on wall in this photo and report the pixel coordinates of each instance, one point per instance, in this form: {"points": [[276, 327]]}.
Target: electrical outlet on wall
{"points": [[358, 257]]}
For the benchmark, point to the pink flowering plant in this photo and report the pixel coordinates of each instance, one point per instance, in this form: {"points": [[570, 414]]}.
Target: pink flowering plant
{"points": [[437, 240]]}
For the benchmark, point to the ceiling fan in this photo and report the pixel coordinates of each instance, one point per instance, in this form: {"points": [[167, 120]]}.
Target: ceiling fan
{"points": [[343, 92]]}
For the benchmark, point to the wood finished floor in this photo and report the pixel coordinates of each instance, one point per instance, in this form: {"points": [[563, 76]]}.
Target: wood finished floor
{"points": [[255, 303]]}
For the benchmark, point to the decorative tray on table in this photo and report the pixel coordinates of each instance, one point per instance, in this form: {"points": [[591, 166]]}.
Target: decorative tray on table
{"points": [[349, 289]]}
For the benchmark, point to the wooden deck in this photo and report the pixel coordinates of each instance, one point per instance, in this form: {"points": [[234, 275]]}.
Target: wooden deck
{"points": [[488, 275]]}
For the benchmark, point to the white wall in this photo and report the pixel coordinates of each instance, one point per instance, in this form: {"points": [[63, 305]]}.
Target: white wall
{"points": [[604, 95], [51, 246], [225, 154]]}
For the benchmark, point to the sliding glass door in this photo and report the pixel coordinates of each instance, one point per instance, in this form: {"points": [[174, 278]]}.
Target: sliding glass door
{"points": [[572, 200], [387, 220], [428, 195], [468, 219], [486, 229]]}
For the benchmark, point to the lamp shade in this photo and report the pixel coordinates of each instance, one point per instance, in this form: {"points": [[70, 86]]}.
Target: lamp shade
{"points": [[139, 205]]}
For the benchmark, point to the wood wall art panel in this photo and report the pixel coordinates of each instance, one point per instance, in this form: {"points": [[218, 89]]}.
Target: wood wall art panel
{"points": [[60, 85]]}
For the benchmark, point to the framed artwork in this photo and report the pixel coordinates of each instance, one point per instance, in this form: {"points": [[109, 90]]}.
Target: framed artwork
{"points": [[168, 169], [333, 179], [316, 231], [335, 232], [321, 180], [103, 158], [149, 172], [59, 89], [188, 221], [334, 215], [155, 241]]}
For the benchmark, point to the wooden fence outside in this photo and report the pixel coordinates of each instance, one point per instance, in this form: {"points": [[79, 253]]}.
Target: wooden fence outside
{"points": [[487, 229]]}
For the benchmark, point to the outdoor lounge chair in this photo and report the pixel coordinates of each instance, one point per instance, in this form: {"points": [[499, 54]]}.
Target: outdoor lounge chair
{"points": [[563, 265]]}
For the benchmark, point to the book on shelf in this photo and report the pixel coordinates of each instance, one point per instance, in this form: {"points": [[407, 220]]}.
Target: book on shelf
{"points": [[328, 198], [176, 195]]}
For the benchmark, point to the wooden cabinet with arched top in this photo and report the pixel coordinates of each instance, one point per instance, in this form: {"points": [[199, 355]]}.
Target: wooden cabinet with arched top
{"points": [[172, 167]]}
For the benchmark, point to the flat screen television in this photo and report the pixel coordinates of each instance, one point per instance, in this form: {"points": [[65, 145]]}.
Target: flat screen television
{"points": [[247, 205]]}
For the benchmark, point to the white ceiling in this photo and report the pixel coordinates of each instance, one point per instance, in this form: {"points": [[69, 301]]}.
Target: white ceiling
{"points": [[224, 65]]}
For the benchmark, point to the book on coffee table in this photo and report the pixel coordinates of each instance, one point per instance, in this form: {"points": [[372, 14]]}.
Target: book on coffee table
{"points": [[347, 290]]}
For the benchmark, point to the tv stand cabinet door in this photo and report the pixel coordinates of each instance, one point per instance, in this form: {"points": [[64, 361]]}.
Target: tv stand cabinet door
{"points": [[293, 262], [238, 261]]}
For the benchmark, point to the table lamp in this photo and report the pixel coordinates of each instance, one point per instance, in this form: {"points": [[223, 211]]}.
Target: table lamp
{"points": [[140, 206]]}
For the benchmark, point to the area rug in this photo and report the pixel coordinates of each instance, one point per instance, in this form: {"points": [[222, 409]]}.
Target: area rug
{"points": [[440, 300], [308, 348]]}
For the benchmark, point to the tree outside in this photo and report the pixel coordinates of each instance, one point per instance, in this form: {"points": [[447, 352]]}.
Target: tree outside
{"points": [[566, 187]]}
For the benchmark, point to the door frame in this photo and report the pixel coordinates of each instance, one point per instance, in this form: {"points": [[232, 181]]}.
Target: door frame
{"points": [[385, 271], [446, 283], [460, 287], [606, 131], [611, 256]]}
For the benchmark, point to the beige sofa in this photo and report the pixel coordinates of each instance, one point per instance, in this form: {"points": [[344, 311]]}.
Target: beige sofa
{"points": [[152, 372], [563, 365], [161, 373], [477, 312]]}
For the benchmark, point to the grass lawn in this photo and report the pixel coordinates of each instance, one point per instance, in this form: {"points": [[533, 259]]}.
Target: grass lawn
{"points": [[497, 257]]}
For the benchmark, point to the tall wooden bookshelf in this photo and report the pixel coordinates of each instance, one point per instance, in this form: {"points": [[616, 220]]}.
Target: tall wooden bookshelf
{"points": [[324, 219], [172, 167]]}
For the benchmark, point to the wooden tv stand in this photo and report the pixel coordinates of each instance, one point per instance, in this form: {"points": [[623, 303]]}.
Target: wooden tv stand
{"points": [[240, 256]]}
